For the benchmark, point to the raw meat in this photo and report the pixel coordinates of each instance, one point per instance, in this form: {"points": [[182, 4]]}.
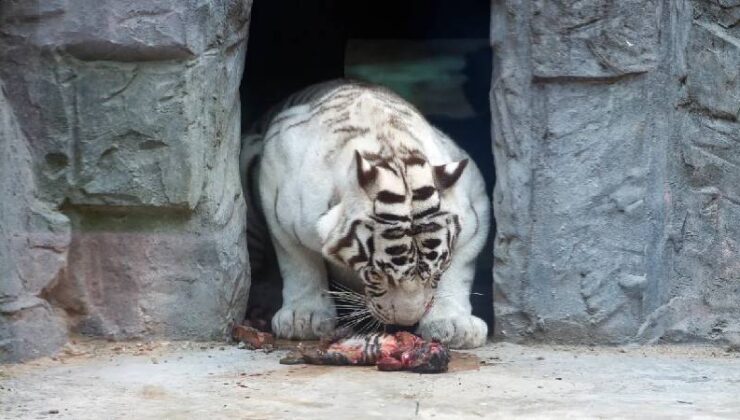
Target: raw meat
{"points": [[389, 352]]}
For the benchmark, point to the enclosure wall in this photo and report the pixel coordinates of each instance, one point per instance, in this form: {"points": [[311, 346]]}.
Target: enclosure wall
{"points": [[617, 150], [122, 211]]}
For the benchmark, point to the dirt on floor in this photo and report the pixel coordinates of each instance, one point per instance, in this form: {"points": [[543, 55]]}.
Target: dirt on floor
{"points": [[184, 380]]}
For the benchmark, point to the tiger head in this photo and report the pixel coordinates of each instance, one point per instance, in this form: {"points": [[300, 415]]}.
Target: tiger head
{"points": [[400, 239]]}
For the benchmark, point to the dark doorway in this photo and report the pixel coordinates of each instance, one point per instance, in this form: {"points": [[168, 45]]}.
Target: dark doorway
{"points": [[433, 52]]}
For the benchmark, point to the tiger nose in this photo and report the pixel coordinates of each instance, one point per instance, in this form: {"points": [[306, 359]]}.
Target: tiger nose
{"points": [[408, 310]]}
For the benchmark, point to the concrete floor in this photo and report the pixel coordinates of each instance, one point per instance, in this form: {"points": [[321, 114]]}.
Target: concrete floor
{"points": [[100, 380]]}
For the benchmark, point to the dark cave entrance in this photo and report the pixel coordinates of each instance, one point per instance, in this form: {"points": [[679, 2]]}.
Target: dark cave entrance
{"points": [[435, 53]]}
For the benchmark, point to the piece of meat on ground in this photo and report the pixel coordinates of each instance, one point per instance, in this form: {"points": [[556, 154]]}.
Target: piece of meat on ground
{"points": [[252, 337], [389, 352]]}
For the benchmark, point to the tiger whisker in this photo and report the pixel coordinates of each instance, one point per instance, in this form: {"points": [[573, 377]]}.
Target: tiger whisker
{"points": [[341, 286], [343, 292], [345, 289], [352, 316], [357, 320], [356, 312], [351, 325], [377, 325], [374, 324], [349, 321], [371, 326], [349, 303], [366, 328], [346, 296], [351, 309]]}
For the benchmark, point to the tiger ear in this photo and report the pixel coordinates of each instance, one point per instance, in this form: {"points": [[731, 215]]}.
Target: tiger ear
{"points": [[447, 175], [366, 172]]}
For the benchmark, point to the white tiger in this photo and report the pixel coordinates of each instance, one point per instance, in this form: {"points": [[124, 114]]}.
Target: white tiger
{"points": [[354, 175]]}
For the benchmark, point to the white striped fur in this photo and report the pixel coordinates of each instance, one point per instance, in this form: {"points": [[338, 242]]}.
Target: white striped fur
{"points": [[354, 175]]}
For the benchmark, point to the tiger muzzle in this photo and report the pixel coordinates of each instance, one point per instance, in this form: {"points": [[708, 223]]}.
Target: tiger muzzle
{"points": [[408, 303]]}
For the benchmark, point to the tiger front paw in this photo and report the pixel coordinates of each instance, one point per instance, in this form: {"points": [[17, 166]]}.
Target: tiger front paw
{"points": [[304, 322], [461, 331]]}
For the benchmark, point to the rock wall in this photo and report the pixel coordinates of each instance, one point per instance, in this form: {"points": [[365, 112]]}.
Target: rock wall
{"points": [[617, 150], [119, 130], [617, 153]]}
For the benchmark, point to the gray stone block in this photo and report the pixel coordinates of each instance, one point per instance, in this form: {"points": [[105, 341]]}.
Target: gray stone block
{"points": [[131, 116], [589, 213], [29, 330], [34, 241], [618, 175], [714, 71], [122, 90], [594, 39]]}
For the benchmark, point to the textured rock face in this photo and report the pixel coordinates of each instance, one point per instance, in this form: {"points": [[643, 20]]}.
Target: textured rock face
{"points": [[617, 150], [33, 250], [122, 125], [594, 38]]}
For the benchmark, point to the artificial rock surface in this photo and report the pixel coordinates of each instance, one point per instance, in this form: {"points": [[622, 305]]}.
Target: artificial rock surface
{"points": [[617, 149], [122, 123]]}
